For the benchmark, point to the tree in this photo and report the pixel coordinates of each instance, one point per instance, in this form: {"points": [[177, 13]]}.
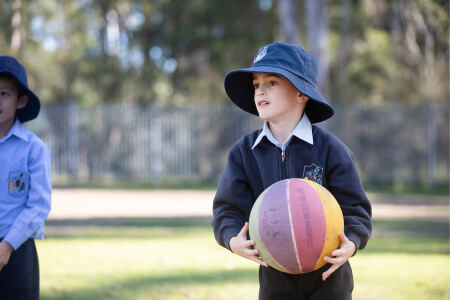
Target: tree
{"points": [[317, 29], [287, 17], [175, 51], [18, 30]]}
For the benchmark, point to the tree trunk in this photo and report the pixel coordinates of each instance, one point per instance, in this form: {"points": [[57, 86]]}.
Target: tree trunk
{"points": [[424, 58], [345, 34], [288, 22], [317, 29], [18, 33], [396, 28]]}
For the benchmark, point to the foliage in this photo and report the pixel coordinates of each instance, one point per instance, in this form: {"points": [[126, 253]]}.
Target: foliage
{"points": [[174, 51]]}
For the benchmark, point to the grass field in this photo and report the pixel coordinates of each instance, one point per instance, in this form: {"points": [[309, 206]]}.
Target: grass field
{"points": [[178, 258]]}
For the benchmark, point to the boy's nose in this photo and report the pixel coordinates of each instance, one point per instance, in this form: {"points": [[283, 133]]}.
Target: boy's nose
{"points": [[259, 91]]}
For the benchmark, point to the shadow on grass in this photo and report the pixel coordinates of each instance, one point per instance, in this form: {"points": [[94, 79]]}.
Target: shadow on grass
{"points": [[409, 236], [412, 228], [148, 287], [130, 228], [175, 222]]}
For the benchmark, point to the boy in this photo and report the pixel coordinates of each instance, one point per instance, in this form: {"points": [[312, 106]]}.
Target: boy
{"points": [[280, 87], [25, 188]]}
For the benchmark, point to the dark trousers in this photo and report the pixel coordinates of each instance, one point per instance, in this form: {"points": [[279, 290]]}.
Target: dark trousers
{"points": [[276, 285], [19, 279]]}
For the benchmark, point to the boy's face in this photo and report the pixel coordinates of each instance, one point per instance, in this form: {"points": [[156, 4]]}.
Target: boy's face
{"points": [[9, 102], [276, 99]]}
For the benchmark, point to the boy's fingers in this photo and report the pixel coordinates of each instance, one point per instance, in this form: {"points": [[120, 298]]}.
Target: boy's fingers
{"points": [[253, 252], [329, 272], [244, 230], [249, 243], [259, 261], [333, 260], [343, 238]]}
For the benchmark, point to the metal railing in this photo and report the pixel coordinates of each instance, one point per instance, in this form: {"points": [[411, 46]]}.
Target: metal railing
{"points": [[392, 144]]}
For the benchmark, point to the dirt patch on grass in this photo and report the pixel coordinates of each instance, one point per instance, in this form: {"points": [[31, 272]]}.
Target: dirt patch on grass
{"points": [[98, 203], [93, 203], [387, 206]]}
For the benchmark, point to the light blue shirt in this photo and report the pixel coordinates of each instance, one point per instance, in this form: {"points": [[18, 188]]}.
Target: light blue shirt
{"points": [[303, 131], [25, 186]]}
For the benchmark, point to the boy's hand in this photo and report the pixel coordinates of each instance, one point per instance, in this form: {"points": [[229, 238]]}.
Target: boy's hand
{"points": [[5, 252], [340, 256], [243, 247]]}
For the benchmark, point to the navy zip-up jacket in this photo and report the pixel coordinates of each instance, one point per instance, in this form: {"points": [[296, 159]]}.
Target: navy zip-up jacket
{"points": [[248, 172]]}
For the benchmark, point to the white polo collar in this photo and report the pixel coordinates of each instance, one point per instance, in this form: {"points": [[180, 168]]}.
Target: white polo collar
{"points": [[303, 131]]}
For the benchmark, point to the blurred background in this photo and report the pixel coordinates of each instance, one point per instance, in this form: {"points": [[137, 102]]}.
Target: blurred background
{"points": [[133, 90], [133, 102]]}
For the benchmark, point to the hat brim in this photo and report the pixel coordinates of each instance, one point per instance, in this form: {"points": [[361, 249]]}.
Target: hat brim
{"points": [[239, 88], [31, 110]]}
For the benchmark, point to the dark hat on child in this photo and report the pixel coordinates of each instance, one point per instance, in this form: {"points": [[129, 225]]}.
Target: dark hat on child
{"points": [[11, 66], [290, 61]]}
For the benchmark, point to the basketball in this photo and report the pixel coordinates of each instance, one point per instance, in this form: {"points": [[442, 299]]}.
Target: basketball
{"points": [[294, 224]]}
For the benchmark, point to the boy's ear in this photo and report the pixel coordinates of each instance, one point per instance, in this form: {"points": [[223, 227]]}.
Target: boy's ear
{"points": [[23, 101], [302, 98]]}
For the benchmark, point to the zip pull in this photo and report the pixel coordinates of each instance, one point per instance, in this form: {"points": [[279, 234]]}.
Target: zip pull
{"points": [[282, 156]]}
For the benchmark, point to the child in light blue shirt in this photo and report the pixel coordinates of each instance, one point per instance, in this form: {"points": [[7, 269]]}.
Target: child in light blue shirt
{"points": [[25, 186]]}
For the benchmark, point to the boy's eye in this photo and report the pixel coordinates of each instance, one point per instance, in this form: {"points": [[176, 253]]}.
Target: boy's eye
{"points": [[272, 83], [255, 86], [4, 93]]}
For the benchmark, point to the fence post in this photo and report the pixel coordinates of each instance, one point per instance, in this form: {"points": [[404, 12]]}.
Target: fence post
{"points": [[73, 139], [431, 140], [157, 145]]}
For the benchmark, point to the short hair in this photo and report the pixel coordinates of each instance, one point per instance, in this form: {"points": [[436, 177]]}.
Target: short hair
{"points": [[20, 89]]}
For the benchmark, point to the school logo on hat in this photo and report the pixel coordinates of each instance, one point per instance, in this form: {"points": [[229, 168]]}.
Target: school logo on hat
{"points": [[18, 182], [313, 173], [261, 53]]}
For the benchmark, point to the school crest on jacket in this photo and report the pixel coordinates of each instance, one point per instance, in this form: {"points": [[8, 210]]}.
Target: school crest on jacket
{"points": [[313, 173]]}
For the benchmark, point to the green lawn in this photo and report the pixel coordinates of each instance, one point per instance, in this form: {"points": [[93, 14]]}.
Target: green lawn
{"points": [[179, 259]]}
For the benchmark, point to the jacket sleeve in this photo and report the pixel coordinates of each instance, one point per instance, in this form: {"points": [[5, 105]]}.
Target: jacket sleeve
{"points": [[345, 184], [233, 201]]}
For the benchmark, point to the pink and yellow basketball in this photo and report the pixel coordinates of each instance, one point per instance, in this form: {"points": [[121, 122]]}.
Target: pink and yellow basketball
{"points": [[295, 223]]}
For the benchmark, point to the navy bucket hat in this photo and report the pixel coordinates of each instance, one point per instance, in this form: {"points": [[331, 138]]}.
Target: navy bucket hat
{"points": [[290, 61], [11, 66]]}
